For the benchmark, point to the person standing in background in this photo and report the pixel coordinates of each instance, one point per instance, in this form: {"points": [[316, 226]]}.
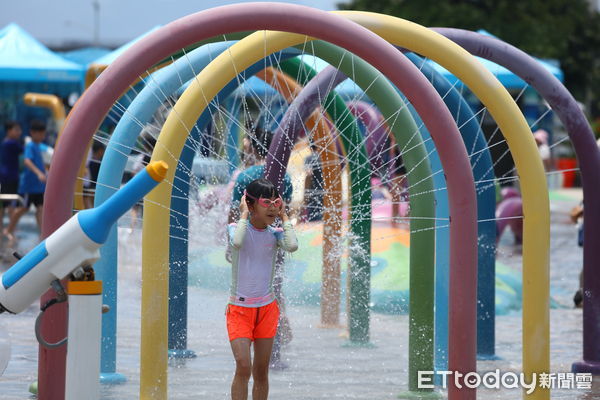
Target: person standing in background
{"points": [[93, 168], [10, 151], [541, 140], [33, 179]]}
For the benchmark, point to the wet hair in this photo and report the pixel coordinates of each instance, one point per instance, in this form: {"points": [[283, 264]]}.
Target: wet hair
{"points": [[261, 188], [37, 126], [8, 125], [260, 139]]}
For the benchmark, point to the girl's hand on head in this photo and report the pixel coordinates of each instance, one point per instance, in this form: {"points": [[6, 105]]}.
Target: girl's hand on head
{"points": [[243, 205], [282, 213]]}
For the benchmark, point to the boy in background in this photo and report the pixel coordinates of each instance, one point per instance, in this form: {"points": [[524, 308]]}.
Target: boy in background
{"points": [[33, 178], [10, 151]]}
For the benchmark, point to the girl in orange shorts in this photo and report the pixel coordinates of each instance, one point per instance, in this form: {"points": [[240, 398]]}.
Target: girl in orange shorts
{"points": [[252, 312]]}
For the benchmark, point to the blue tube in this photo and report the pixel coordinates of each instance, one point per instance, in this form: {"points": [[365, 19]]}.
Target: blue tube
{"points": [[178, 245], [110, 175], [24, 265], [163, 83], [481, 162], [97, 222], [232, 140]]}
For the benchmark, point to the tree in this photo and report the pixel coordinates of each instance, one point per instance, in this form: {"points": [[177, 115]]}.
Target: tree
{"points": [[566, 30]]}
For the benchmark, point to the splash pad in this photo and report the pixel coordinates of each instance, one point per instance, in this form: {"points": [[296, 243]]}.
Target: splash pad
{"points": [[365, 275]]}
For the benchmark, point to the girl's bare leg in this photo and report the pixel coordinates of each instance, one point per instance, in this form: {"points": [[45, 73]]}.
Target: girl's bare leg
{"points": [[260, 368], [243, 368]]}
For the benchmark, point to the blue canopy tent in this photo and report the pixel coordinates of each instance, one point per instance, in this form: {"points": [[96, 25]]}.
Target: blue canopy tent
{"points": [[26, 65], [509, 80], [86, 55], [107, 59], [24, 59]]}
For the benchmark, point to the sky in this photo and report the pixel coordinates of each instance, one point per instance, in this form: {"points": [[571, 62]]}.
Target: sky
{"points": [[60, 23]]}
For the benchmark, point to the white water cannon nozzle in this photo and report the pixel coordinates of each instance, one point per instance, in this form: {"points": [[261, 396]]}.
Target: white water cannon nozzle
{"points": [[74, 244]]}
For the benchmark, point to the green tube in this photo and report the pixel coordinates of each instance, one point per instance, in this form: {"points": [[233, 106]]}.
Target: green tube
{"points": [[421, 197], [360, 173]]}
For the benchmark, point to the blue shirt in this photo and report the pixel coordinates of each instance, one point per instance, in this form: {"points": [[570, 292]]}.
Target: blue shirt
{"points": [[10, 150], [253, 173], [29, 180]]}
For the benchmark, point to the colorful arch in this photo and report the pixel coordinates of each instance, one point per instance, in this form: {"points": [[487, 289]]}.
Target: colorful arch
{"points": [[224, 69], [213, 24], [562, 102]]}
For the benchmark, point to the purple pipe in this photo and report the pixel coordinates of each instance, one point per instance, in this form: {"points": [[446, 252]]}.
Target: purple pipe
{"points": [[100, 96], [588, 155], [509, 213], [292, 124], [377, 133], [508, 192]]}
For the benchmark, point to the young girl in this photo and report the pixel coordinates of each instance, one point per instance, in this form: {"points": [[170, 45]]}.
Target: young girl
{"points": [[252, 312]]}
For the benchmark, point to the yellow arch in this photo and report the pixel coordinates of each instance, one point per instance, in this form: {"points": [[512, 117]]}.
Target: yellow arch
{"points": [[399, 32]]}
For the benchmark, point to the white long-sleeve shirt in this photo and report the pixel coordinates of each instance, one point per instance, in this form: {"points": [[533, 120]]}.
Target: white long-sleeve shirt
{"points": [[253, 261]]}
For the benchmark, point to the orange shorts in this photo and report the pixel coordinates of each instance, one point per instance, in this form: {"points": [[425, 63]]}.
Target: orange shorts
{"points": [[252, 322]]}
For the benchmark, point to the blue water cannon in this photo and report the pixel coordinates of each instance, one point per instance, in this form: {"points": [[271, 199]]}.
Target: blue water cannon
{"points": [[74, 245]]}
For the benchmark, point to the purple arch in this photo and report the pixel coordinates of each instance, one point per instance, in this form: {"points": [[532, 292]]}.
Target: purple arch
{"points": [[584, 143], [377, 132], [97, 100], [292, 124]]}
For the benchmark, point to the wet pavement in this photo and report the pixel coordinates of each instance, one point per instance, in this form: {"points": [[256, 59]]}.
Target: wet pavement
{"points": [[320, 365]]}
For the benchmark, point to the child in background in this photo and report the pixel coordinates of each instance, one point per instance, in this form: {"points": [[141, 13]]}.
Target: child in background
{"points": [[10, 151], [33, 179], [252, 312], [577, 218]]}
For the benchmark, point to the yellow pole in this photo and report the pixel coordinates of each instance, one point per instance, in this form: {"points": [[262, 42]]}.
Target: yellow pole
{"points": [[49, 101], [536, 208], [399, 32]]}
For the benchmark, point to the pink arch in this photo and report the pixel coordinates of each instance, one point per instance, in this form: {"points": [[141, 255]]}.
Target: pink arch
{"points": [[97, 100]]}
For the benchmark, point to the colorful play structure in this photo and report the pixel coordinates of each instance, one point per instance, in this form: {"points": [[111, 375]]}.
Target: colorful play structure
{"points": [[451, 229], [68, 254]]}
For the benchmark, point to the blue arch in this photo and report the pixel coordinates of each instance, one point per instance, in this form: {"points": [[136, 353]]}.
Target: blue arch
{"points": [[483, 172]]}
